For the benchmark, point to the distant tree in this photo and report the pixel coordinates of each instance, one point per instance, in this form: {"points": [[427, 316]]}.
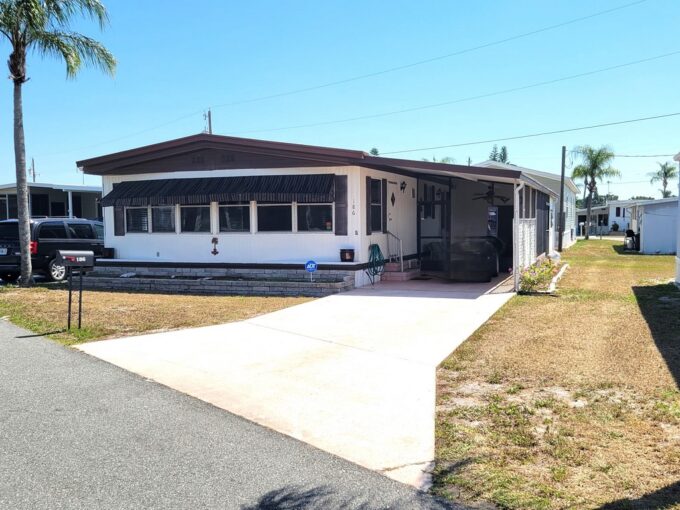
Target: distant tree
{"points": [[374, 152], [493, 155], [597, 200], [500, 156], [446, 160], [44, 27], [595, 166], [666, 172], [503, 155], [641, 197]]}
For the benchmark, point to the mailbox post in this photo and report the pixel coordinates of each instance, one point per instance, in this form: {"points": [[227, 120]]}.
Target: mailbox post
{"points": [[81, 261]]}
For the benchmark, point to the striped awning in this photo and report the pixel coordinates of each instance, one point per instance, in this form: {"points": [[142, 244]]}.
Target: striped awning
{"points": [[195, 191]]}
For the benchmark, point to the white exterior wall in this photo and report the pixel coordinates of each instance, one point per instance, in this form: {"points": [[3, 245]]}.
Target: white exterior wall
{"points": [[623, 218], [269, 247], [570, 222], [659, 228], [401, 219]]}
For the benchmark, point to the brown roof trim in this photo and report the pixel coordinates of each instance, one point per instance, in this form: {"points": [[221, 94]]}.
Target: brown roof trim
{"points": [[119, 161], [440, 167], [221, 141]]}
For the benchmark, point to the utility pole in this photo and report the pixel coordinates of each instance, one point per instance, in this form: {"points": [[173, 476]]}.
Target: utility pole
{"points": [[209, 122], [560, 227], [33, 169]]}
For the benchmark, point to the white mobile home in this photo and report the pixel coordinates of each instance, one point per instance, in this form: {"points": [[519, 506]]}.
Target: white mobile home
{"points": [[656, 222], [58, 200], [218, 202]]}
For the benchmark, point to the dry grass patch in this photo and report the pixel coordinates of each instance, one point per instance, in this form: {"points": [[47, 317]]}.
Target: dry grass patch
{"points": [[43, 309], [570, 401]]}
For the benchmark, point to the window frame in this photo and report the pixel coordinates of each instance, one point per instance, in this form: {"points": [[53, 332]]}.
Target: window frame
{"points": [[152, 228], [148, 222], [379, 203], [246, 205], [322, 204], [200, 232], [293, 217]]}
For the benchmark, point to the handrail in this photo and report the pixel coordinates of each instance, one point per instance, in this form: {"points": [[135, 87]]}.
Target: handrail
{"points": [[400, 249]]}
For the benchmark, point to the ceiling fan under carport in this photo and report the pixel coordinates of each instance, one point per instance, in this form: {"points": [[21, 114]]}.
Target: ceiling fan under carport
{"points": [[490, 195]]}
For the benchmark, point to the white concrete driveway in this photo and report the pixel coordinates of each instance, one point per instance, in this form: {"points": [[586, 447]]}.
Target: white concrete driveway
{"points": [[352, 374]]}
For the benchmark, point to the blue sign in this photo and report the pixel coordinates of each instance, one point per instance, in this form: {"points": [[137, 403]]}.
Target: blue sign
{"points": [[310, 266]]}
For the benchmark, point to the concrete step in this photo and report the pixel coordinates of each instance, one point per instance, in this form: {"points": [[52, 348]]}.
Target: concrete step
{"points": [[396, 266], [400, 276]]}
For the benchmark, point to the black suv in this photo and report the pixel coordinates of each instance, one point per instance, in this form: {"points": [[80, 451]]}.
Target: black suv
{"points": [[47, 236]]}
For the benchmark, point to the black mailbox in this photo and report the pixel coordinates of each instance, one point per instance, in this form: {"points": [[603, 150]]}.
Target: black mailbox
{"points": [[75, 259]]}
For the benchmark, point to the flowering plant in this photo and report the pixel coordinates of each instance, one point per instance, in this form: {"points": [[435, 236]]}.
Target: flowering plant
{"points": [[538, 275]]}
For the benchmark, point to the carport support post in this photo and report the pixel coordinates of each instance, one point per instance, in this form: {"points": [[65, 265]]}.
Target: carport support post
{"points": [[560, 222], [515, 235], [70, 204]]}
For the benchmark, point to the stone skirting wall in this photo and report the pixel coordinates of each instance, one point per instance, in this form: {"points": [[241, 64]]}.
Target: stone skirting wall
{"points": [[220, 281]]}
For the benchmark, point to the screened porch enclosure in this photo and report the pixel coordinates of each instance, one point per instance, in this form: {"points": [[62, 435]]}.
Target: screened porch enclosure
{"points": [[466, 227]]}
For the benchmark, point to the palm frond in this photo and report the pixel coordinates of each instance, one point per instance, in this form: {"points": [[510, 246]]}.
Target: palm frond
{"points": [[75, 49]]}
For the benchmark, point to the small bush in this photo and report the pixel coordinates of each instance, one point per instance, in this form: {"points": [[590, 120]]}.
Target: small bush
{"points": [[538, 276]]}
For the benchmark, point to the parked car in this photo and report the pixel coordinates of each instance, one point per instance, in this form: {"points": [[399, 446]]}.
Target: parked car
{"points": [[47, 236]]}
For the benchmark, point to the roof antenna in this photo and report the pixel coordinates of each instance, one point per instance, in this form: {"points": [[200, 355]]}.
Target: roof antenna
{"points": [[208, 118]]}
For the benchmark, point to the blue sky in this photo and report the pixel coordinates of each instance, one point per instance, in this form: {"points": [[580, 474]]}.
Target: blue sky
{"points": [[176, 59]]}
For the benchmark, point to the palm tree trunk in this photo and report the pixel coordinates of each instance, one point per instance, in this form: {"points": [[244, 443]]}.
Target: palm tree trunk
{"points": [[22, 188], [589, 208]]}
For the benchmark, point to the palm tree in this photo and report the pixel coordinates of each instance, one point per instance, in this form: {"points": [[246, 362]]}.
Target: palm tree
{"points": [[44, 26], [665, 173], [594, 167]]}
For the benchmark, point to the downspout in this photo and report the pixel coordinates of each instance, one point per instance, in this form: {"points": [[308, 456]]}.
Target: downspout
{"points": [[515, 235]]}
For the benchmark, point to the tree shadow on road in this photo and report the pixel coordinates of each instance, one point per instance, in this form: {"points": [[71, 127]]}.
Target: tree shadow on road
{"points": [[325, 498]]}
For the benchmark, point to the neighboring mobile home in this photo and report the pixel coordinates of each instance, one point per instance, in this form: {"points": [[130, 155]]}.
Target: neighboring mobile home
{"points": [[58, 200], [222, 202], [656, 221]]}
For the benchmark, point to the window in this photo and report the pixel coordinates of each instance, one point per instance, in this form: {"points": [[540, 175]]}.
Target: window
{"points": [[274, 218], [315, 218], [80, 231], [52, 231], [99, 230], [521, 203], [234, 217], [137, 219], [163, 219], [376, 205], [196, 218], [534, 200]]}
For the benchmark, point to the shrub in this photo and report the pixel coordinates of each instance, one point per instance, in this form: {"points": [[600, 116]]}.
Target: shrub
{"points": [[538, 276]]}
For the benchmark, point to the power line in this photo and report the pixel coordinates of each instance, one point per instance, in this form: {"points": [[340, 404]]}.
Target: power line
{"points": [[130, 135], [464, 99], [431, 59], [645, 155], [372, 74], [532, 135]]}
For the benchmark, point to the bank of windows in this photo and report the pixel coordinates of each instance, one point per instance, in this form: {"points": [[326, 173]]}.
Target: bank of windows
{"points": [[234, 217]]}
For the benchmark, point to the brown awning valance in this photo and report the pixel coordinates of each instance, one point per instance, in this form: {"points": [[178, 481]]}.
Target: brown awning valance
{"points": [[262, 188]]}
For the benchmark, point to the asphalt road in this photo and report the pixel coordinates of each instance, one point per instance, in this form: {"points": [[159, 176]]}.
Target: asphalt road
{"points": [[76, 432]]}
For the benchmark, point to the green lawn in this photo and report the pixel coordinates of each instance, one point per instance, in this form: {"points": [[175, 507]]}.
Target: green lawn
{"points": [[43, 309], [569, 401]]}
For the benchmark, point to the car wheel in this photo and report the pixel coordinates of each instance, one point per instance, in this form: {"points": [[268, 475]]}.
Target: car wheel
{"points": [[10, 277], [55, 272]]}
